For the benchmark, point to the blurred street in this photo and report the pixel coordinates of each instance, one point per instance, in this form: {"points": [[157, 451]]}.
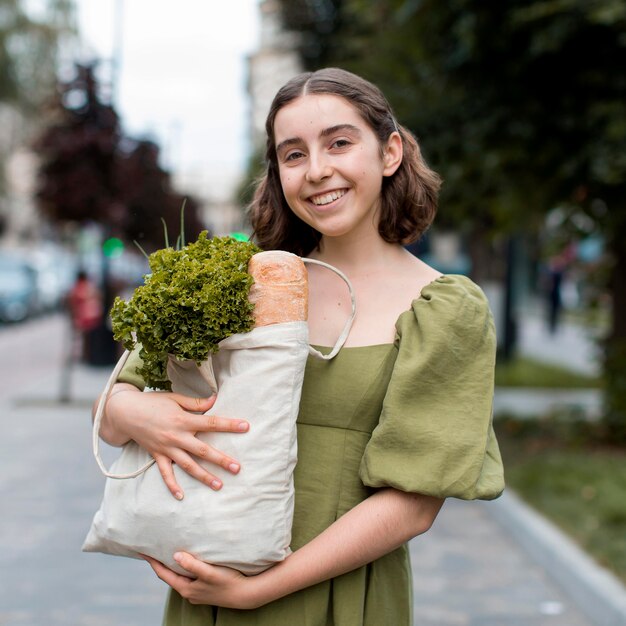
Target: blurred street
{"points": [[469, 570], [50, 488]]}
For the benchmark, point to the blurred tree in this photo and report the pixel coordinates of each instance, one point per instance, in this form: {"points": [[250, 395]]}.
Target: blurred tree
{"points": [[29, 44], [519, 105], [91, 172], [316, 21], [29, 47], [147, 192], [79, 151]]}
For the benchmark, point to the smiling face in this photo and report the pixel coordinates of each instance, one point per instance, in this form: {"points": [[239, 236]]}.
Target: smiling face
{"points": [[331, 164]]}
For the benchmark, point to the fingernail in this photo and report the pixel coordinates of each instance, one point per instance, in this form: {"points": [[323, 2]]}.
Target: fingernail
{"points": [[216, 484], [178, 557], [179, 495], [233, 467], [243, 426]]}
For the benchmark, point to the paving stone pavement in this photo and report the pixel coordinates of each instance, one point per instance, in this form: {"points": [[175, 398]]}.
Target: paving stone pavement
{"points": [[467, 571], [50, 487]]}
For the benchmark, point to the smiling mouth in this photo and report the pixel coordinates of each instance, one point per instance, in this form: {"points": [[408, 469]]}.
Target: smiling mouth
{"points": [[327, 198]]}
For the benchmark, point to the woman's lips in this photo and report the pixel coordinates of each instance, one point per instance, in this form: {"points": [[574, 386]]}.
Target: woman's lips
{"points": [[322, 199]]}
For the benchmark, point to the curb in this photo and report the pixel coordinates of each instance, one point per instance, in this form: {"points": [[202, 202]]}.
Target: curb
{"points": [[595, 590]]}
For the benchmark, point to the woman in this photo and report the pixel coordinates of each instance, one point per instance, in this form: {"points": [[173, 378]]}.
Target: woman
{"points": [[397, 422]]}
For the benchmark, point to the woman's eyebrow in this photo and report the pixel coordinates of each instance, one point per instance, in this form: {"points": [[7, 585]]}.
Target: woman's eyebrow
{"points": [[340, 127], [294, 141]]}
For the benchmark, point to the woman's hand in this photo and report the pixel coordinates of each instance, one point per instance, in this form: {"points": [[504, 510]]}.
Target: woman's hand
{"points": [[165, 424], [208, 584]]}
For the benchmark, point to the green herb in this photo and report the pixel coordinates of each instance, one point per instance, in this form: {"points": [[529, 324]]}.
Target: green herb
{"points": [[194, 298]]}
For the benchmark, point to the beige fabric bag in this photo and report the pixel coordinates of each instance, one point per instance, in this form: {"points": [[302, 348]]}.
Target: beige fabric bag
{"points": [[247, 524]]}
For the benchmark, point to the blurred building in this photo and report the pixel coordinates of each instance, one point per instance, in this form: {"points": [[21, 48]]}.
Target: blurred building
{"points": [[17, 211], [21, 220], [219, 210], [37, 34], [224, 216], [270, 67]]}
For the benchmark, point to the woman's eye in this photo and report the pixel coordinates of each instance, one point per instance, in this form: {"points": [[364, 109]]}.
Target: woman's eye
{"points": [[294, 156], [340, 143]]}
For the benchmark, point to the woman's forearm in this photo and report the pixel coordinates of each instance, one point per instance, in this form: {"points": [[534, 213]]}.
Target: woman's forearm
{"points": [[372, 529]]}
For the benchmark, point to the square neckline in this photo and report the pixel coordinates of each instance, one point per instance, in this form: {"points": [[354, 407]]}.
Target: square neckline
{"points": [[409, 310]]}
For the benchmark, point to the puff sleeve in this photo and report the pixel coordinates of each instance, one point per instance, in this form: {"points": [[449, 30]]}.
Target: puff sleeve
{"points": [[435, 433], [129, 374]]}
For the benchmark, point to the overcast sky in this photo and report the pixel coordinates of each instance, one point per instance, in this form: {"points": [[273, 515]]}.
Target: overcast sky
{"points": [[182, 79]]}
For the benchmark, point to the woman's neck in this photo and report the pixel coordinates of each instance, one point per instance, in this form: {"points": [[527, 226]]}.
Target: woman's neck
{"points": [[359, 256]]}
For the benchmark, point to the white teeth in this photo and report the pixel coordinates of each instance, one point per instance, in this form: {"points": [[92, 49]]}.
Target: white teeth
{"points": [[327, 197]]}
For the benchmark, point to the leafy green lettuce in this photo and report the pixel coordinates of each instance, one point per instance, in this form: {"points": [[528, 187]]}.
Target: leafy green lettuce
{"points": [[194, 297]]}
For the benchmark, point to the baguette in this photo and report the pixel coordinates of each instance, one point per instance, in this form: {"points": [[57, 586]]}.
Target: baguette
{"points": [[280, 291]]}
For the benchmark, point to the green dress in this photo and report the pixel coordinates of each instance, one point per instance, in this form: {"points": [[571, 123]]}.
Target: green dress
{"points": [[415, 415]]}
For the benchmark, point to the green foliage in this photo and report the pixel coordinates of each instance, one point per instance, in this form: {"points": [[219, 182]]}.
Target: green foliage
{"points": [[194, 297], [29, 42], [524, 372], [615, 372]]}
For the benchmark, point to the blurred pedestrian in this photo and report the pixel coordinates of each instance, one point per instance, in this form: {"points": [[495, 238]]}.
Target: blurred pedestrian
{"points": [[556, 270], [398, 422], [85, 308]]}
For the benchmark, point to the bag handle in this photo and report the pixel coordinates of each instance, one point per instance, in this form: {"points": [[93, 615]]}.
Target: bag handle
{"points": [[346, 329], [97, 420]]}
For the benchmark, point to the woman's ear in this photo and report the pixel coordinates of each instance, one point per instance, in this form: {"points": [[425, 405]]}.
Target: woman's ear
{"points": [[392, 154]]}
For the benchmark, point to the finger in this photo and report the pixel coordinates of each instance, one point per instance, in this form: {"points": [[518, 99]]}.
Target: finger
{"points": [[212, 455], [195, 567], [196, 405], [187, 464], [173, 579], [167, 474], [214, 423]]}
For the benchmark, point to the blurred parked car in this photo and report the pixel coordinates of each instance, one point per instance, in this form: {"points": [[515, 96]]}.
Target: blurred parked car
{"points": [[18, 289], [55, 271]]}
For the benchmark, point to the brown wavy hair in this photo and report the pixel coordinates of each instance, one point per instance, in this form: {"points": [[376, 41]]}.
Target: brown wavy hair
{"points": [[408, 197]]}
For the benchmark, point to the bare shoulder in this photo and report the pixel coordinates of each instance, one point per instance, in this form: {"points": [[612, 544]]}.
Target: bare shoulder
{"points": [[385, 296], [414, 274]]}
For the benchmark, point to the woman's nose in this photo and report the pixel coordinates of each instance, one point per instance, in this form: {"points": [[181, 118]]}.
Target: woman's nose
{"points": [[319, 169]]}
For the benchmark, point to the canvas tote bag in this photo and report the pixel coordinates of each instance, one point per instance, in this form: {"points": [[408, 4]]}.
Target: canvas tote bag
{"points": [[245, 525]]}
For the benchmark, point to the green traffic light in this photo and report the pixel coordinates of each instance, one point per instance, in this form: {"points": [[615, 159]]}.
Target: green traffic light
{"points": [[240, 236], [113, 248]]}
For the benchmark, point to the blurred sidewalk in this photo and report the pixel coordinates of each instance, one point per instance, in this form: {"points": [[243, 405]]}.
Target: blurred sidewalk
{"points": [[573, 347], [482, 564], [50, 488]]}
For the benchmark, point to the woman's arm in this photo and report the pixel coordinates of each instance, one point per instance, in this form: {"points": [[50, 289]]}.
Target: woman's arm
{"points": [[375, 527], [165, 424]]}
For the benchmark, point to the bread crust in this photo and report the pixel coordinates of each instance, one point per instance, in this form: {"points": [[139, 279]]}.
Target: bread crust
{"points": [[280, 292]]}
